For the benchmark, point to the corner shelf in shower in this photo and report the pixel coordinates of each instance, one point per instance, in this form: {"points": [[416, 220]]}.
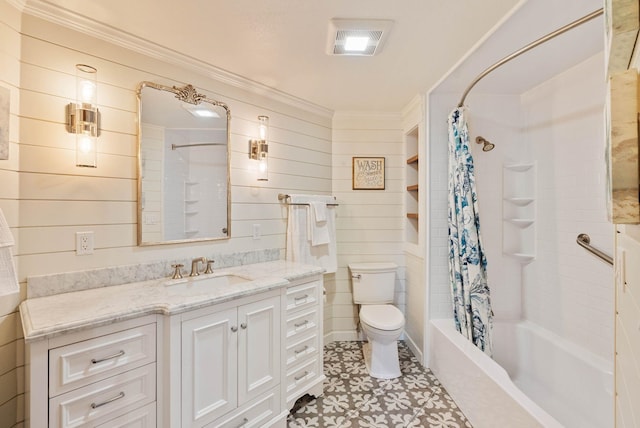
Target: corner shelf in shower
{"points": [[523, 258], [519, 167], [519, 201], [520, 222], [519, 211]]}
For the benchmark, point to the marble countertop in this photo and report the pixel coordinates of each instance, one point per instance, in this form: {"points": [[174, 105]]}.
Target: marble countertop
{"points": [[50, 316]]}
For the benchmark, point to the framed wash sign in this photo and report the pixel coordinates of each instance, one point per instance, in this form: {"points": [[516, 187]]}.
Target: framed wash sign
{"points": [[368, 173]]}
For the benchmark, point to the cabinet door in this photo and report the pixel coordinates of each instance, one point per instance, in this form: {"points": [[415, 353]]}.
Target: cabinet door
{"points": [[209, 367], [258, 348]]}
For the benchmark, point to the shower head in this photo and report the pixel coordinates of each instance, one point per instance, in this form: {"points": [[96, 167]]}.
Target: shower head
{"points": [[486, 145]]}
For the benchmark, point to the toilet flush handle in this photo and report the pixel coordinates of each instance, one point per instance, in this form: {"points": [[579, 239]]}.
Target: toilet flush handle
{"points": [[357, 276]]}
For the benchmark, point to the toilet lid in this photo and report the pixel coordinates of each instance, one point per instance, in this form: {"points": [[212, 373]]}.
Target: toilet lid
{"points": [[382, 317]]}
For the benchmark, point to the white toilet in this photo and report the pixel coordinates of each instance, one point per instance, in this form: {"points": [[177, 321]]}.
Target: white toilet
{"points": [[382, 323]]}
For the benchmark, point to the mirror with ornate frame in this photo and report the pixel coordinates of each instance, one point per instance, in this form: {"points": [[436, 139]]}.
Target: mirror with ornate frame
{"points": [[183, 166]]}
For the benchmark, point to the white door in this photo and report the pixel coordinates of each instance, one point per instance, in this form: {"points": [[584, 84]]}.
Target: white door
{"points": [[258, 348], [209, 367]]}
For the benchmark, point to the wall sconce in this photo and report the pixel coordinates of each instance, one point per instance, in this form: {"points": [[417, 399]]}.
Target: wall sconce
{"points": [[259, 149], [83, 116]]}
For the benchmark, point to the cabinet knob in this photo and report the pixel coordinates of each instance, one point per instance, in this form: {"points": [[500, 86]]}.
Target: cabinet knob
{"points": [[243, 325], [234, 328]]}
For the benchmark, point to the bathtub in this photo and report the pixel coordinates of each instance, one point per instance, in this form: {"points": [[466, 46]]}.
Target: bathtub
{"points": [[547, 382]]}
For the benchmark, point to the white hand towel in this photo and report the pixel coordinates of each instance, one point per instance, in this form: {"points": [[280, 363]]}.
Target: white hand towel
{"points": [[299, 248], [8, 277], [318, 229], [6, 238], [319, 210]]}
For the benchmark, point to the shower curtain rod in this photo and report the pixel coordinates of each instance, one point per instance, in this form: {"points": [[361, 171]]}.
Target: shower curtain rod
{"points": [[527, 48]]}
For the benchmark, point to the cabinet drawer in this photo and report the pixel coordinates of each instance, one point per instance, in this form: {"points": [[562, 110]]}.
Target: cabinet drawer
{"points": [[256, 413], [301, 324], [79, 364], [301, 376], [302, 296], [104, 400], [301, 349], [144, 417]]}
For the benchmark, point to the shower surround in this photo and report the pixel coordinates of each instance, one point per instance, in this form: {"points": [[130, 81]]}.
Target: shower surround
{"points": [[552, 300]]}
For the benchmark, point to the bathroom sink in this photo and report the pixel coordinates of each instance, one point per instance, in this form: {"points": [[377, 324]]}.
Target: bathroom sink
{"points": [[205, 283]]}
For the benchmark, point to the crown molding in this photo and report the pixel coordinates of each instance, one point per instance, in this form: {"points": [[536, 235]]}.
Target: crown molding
{"points": [[66, 18], [368, 114], [18, 4], [416, 102]]}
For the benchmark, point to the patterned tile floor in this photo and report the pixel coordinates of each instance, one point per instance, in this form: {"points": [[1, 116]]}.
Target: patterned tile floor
{"points": [[353, 399]]}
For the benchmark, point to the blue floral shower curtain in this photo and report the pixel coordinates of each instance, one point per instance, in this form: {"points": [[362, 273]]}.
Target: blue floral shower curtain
{"points": [[467, 261]]}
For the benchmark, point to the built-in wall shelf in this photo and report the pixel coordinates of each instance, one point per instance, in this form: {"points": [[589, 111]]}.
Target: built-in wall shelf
{"points": [[519, 211], [412, 205]]}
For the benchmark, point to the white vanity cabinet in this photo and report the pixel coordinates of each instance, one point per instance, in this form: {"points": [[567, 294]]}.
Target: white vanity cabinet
{"points": [[228, 356], [302, 332], [97, 378], [230, 363]]}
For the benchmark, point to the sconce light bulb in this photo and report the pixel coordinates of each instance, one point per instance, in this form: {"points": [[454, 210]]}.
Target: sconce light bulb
{"points": [[86, 144], [263, 127], [87, 92], [262, 167]]}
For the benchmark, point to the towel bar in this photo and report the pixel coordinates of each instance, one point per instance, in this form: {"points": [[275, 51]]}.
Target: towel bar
{"points": [[284, 197]]}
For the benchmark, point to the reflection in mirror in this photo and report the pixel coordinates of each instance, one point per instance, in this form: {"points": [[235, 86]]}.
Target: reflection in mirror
{"points": [[183, 166]]}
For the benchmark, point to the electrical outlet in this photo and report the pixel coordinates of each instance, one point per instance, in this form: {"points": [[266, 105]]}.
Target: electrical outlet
{"points": [[256, 231], [84, 243]]}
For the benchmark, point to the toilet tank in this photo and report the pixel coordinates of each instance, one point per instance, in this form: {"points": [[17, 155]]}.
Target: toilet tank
{"points": [[373, 283]]}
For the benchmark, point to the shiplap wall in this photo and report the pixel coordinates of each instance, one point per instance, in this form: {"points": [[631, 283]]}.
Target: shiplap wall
{"points": [[56, 199], [369, 222], [11, 347]]}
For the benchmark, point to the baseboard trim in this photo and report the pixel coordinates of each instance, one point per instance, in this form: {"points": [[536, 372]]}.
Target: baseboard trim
{"points": [[343, 335], [417, 352]]}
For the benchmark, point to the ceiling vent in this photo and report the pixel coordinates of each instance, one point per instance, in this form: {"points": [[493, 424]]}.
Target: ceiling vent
{"points": [[359, 37]]}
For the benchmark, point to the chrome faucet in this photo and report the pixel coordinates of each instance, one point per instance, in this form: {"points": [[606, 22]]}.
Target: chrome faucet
{"points": [[194, 265]]}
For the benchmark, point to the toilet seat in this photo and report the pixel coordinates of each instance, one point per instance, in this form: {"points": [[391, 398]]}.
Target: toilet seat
{"points": [[382, 317]]}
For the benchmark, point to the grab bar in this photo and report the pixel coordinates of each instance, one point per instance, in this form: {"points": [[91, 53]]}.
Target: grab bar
{"points": [[585, 242]]}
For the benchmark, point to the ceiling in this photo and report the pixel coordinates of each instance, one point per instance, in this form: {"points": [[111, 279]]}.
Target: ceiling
{"points": [[282, 43]]}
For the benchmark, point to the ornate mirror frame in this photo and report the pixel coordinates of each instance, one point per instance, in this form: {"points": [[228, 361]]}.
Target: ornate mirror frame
{"points": [[186, 94]]}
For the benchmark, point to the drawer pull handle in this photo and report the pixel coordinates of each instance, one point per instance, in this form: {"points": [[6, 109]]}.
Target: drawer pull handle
{"points": [[302, 376], [110, 357], [297, 299], [244, 422], [110, 400], [301, 324], [299, 351]]}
